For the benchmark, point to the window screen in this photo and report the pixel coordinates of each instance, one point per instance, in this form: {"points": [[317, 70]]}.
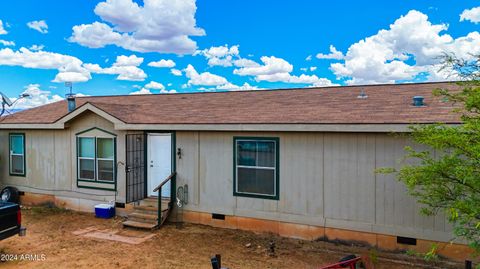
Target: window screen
{"points": [[256, 167]]}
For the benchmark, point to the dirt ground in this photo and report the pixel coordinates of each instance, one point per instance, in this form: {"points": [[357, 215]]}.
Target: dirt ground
{"points": [[50, 240]]}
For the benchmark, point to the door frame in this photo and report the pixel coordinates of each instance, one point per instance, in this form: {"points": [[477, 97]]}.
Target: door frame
{"points": [[173, 186]]}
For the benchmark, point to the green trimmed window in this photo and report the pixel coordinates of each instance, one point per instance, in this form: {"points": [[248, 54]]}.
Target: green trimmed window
{"points": [[256, 167], [96, 159], [17, 154]]}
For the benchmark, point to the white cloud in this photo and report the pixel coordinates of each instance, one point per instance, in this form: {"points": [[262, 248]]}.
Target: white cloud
{"points": [[145, 90], [40, 26], [220, 56], [229, 87], [382, 58], [96, 35], [176, 72], [271, 65], [37, 97], [168, 91], [131, 60], [204, 79], [7, 43], [141, 91], [472, 15], [208, 79], [245, 63], [2, 30], [41, 59], [312, 80], [65, 64], [278, 70], [220, 51], [232, 87], [71, 77], [37, 47], [163, 26], [126, 67], [225, 56], [162, 63], [155, 85], [71, 68], [311, 68], [309, 58], [333, 55]]}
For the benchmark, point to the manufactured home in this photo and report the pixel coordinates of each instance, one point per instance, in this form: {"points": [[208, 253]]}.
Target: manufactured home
{"points": [[294, 162]]}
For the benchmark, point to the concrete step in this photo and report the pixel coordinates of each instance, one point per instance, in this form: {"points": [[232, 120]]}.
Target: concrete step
{"points": [[139, 225]]}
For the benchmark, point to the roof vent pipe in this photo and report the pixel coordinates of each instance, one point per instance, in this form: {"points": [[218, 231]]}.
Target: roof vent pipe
{"points": [[362, 95], [71, 102], [418, 101]]}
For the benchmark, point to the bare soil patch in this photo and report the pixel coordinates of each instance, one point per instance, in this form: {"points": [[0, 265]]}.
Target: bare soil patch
{"points": [[50, 234]]}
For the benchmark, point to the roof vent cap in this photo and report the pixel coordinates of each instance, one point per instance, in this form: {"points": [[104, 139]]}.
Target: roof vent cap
{"points": [[418, 101], [362, 95], [71, 102]]}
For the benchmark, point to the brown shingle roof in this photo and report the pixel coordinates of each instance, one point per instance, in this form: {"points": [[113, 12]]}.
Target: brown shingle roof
{"points": [[328, 105]]}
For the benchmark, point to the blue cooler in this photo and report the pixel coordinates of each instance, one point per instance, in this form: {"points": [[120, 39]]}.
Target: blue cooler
{"points": [[104, 211]]}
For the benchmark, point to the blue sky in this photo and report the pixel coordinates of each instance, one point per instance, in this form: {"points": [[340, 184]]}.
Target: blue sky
{"points": [[225, 45]]}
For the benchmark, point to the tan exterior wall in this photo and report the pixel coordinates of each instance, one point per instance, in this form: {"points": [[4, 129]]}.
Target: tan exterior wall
{"points": [[326, 180], [51, 164]]}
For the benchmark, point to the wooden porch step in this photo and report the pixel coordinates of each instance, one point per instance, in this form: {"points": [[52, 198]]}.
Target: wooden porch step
{"points": [[153, 202], [141, 217], [139, 225], [146, 208], [145, 215]]}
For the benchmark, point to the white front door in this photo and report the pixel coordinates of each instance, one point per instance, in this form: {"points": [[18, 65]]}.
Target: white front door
{"points": [[159, 162]]}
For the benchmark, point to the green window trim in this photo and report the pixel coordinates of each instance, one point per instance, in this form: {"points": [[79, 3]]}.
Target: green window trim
{"points": [[96, 160], [12, 153], [247, 164]]}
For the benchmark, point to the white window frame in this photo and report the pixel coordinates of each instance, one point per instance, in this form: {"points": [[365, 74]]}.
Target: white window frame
{"points": [[86, 158], [95, 160], [104, 159], [16, 154]]}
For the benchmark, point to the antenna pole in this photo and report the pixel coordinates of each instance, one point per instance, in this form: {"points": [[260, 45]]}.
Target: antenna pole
{"points": [[3, 108], [69, 85]]}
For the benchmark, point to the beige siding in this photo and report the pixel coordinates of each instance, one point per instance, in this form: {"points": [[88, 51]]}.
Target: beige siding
{"points": [[325, 179], [51, 161]]}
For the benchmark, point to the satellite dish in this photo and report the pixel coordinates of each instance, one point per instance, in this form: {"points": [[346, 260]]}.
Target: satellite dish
{"points": [[6, 100]]}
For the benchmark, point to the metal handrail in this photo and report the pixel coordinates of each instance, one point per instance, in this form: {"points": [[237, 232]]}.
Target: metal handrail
{"points": [[160, 220], [165, 181]]}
